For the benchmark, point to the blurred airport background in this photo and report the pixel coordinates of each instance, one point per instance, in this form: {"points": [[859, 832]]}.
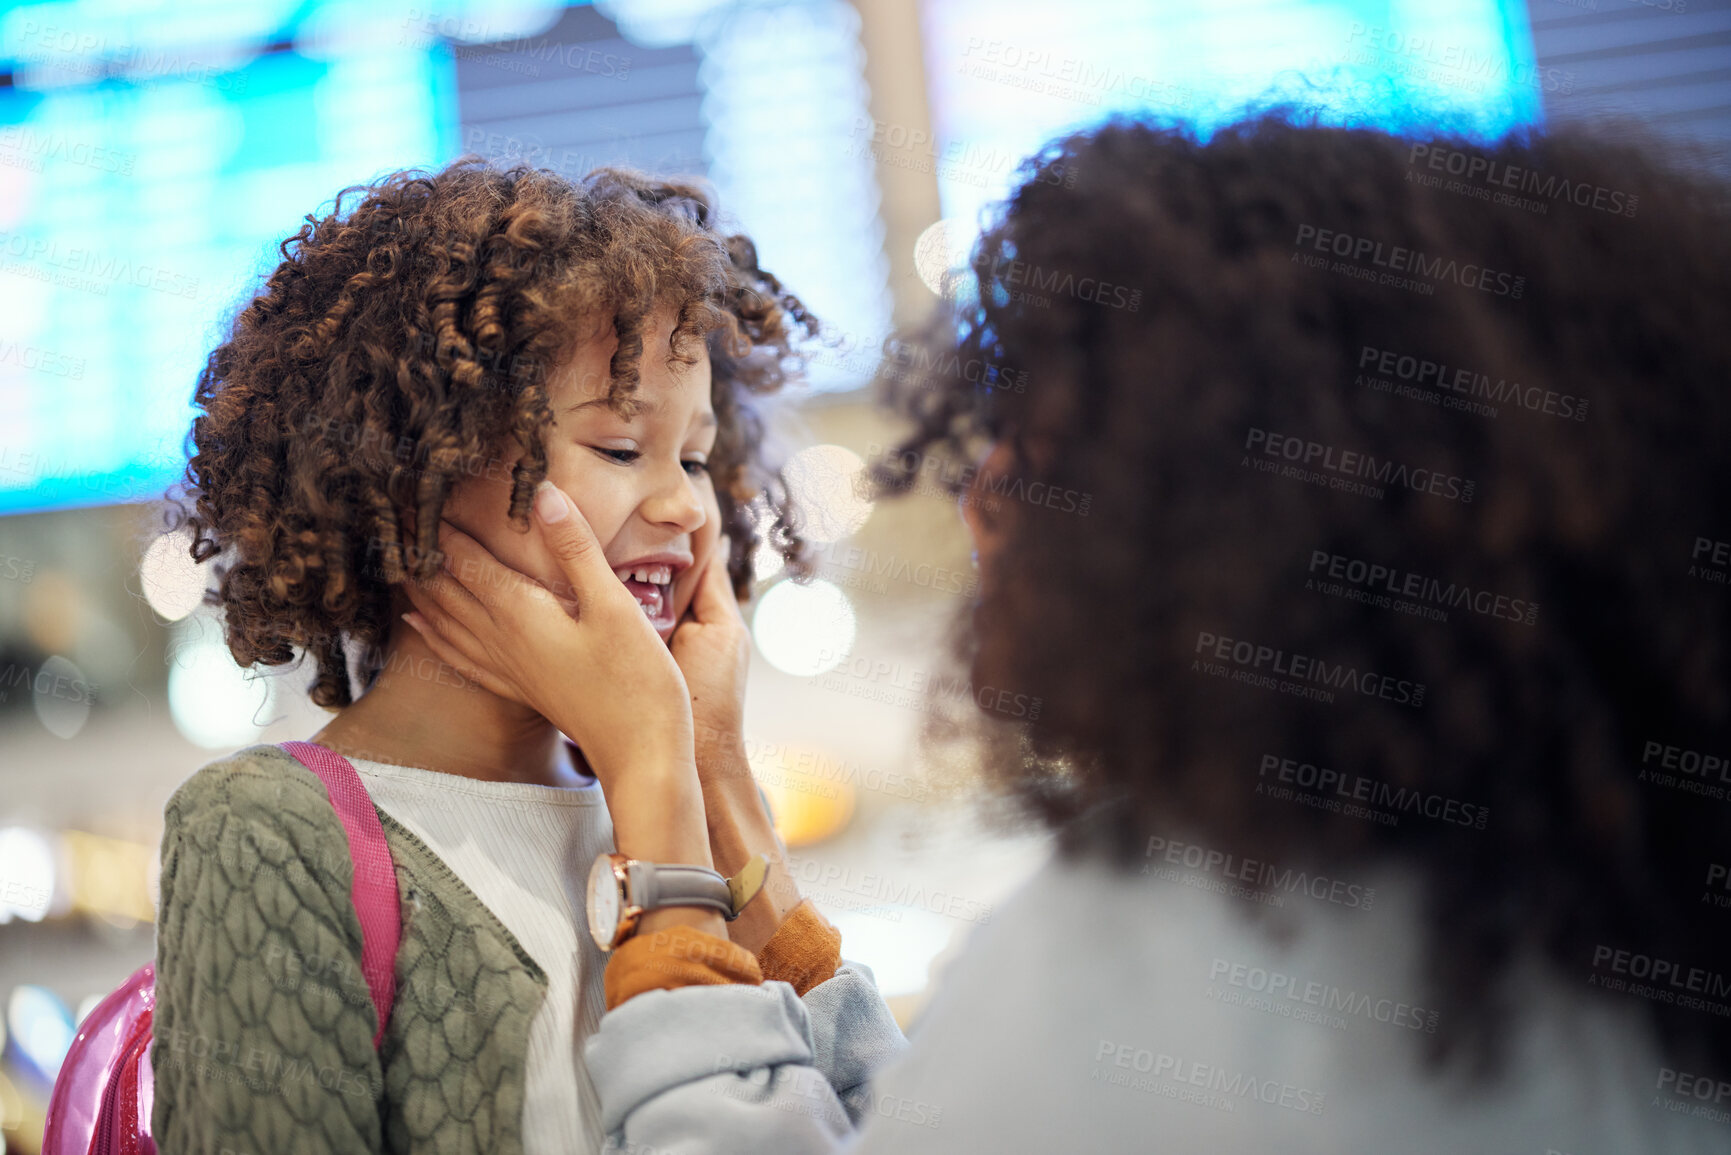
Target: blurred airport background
{"points": [[152, 155]]}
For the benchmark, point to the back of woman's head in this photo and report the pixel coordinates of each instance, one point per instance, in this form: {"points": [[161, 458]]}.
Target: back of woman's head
{"points": [[1396, 481]]}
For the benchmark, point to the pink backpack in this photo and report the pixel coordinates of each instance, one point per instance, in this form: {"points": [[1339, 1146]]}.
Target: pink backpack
{"points": [[103, 1094]]}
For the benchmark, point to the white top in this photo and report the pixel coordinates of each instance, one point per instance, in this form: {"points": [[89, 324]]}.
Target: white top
{"points": [[525, 852], [1108, 1011]]}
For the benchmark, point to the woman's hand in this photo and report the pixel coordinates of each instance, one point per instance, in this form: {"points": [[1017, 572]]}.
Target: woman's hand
{"points": [[713, 649], [603, 676]]}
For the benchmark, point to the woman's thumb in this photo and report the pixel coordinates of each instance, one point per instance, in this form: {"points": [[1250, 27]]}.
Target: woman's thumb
{"points": [[569, 538]]}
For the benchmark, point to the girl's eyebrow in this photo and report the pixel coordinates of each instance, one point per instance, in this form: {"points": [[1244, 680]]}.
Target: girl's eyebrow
{"points": [[633, 408]]}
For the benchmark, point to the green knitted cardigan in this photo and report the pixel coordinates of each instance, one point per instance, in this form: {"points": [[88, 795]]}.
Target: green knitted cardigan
{"points": [[264, 1025]]}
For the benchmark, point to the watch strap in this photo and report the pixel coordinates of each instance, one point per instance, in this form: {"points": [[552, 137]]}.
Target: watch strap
{"points": [[654, 886]]}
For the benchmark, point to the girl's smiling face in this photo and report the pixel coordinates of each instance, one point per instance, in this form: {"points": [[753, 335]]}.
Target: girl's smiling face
{"points": [[639, 476]]}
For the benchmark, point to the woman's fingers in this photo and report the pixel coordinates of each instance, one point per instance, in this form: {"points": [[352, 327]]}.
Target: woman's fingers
{"points": [[479, 578], [433, 614], [573, 545], [714, 600], [449, 655]]}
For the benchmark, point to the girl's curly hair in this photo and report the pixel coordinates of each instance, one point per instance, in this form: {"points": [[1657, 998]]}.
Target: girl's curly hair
{"points": [[1152, 310], [406, 336]]}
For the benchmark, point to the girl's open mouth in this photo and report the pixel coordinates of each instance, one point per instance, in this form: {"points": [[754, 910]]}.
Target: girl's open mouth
{"points": [[652, 586]]}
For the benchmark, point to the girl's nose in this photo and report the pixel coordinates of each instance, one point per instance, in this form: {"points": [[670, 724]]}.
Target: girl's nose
{"points": [[675, 501]]}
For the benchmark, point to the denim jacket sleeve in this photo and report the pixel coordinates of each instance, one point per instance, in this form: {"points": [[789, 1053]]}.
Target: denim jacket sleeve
{"points": [[743, 1069]]}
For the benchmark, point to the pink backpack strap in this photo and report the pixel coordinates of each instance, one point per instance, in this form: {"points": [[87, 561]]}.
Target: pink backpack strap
{"points": [[375, 889]]}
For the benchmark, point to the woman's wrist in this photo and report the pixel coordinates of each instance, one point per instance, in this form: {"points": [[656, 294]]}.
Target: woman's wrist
{"points": [[739, 827], [658, 815]]}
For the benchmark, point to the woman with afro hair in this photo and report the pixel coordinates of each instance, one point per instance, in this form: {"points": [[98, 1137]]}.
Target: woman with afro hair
{"points": [[1361, 534]]}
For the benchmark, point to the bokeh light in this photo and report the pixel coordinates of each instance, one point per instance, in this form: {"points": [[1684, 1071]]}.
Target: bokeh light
{"points": [[41, 1027], [62, 696], [173, 583], [807, 805], [214, 703], [941, 255], [27, 869], [827, 482], [804, 630]]}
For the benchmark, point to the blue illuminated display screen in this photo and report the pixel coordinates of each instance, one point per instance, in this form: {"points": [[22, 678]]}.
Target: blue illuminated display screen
{"points": [[151, 161], [143, 189], [1004, 76]]}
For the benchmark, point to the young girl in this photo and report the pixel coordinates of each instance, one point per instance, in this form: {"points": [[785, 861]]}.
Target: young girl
{"points": [[438, 350]]}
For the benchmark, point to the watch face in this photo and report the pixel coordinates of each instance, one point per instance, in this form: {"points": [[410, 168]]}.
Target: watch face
{"points": [[603, 902]]}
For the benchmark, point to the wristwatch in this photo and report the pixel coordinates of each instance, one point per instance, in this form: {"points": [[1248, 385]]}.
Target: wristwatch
{"points": [[622, 890]]}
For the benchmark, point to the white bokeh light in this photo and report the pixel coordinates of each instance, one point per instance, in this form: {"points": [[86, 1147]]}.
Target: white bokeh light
{"points": [[41, 1026], [804, 630], [941, 255], [214, 703], [62, 696], [828, 484], [26, 874], [173, 583]]}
